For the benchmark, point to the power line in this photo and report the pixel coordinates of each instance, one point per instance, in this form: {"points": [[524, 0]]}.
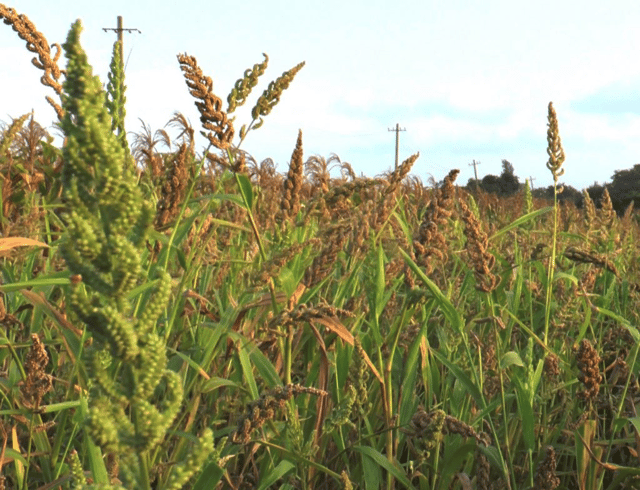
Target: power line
{"points": [[397, 130]]}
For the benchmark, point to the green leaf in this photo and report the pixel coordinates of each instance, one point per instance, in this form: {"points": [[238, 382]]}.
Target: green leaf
{"points": [[300, 459], [209, 477], [259, 361], [632, 330], [372, 473], [636, 423], [410, 372], [247, 370], [10, 454], [462, 377], [525, 413], [521, 220], [450, 312], [509, 359], [57, 279], [182, 260], [246, 189], [453, 462], [96, 461], [287, 281], [274, 475], [264, 367], [382, 461], [215, 383]]}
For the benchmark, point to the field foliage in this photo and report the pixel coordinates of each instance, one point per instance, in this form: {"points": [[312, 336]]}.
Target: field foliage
{"points": [[183, 318]]}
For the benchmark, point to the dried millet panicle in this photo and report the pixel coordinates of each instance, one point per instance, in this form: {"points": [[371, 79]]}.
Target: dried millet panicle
{"points": [[429, 241], [607, 213], [546, 478], [477, 244], [264, 409], [212, 116], [400, 173], [588, 364], [244, 85], [37, 43], [271, 96], [7, 135], [335, 237], [38, 382], [293, 183], [425, 428], [271, 267], [173, 189], [386, 201], [586, 257], [551, 366], [554, 145]]}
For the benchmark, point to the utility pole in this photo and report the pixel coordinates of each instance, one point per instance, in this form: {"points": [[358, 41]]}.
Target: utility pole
{"points": [[475, 169], [120, 30], [397, 130], [531, 179]]}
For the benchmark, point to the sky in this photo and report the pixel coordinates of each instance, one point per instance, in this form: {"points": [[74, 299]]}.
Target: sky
{"points": [[468, 80]]}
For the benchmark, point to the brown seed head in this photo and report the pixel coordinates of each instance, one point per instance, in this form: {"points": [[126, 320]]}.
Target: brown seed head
{"points": [[545, 478], [588, 364], [608, 215], [552, 366], [590, 214], [554, 145], [38, 382], [477, 244], [400, 173], [293, 183], [587, 257], [263, 409], [244, 85], [209, 105], [271, 96], [429, 242], [174, 188], [37, 43]]}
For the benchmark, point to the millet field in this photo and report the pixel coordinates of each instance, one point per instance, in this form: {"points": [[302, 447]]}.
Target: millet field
{"points": [[176, 317]]}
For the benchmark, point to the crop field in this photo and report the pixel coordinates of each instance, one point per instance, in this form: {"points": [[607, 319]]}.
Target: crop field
{"points": [[184, 318]]}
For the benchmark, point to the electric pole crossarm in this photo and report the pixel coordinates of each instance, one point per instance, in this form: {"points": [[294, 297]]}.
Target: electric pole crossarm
{"points": [[120, 30]]}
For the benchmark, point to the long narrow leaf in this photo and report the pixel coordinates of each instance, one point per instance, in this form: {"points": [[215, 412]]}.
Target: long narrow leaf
{"points": [[381, 460], [274, 475], [473, 390], [450, 312], [521, 220]]}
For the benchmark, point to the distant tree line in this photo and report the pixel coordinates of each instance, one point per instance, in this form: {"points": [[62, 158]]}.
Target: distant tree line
{"points": [[624, 187]]}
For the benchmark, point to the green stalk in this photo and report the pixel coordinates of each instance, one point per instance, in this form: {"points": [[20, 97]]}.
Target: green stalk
{"points": [[552, 264]]}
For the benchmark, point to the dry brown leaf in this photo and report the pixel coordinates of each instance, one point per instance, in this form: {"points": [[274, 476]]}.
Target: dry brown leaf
{"points": [[606, 466], [338, 328], [9, 243], [40, 300]]}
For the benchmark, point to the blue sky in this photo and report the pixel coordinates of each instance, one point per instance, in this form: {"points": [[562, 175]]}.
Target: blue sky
{"points": [[469, 80]]}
